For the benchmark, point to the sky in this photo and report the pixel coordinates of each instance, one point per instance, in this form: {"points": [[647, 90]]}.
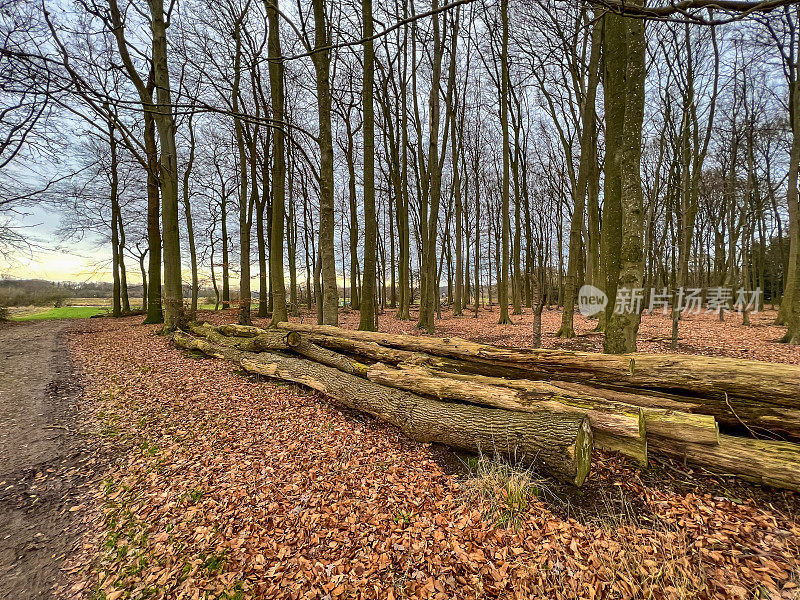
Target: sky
{"points": [[53, 258]]}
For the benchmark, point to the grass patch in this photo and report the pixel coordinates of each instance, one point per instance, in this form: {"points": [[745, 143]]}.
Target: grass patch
{"points": [[64, 312], [506, 489], [213, 564]]}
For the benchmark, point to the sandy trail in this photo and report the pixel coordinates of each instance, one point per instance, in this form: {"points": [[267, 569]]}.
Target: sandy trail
{"points": [[42, 458]]}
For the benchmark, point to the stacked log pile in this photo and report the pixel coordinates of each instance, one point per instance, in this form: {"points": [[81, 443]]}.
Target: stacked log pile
{"points": [[549, 407]]}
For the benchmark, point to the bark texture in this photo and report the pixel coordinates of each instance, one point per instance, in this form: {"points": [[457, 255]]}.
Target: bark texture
{"points": [[616, 428]]}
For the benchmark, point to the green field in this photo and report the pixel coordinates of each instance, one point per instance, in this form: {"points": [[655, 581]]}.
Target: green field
{"points": [[65, 312]]}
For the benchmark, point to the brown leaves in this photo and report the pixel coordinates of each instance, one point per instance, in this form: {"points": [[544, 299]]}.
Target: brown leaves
{"points": [[230, 485]]}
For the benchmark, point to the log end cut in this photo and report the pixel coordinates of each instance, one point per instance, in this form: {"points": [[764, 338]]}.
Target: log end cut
{"points": [[583, 452]]}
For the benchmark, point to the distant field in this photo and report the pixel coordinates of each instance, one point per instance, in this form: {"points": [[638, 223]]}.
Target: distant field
{"points": [[135, 302], [65, 312]]}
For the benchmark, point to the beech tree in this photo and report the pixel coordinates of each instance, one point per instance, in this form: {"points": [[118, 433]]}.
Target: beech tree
{"points": [[472, 142]]}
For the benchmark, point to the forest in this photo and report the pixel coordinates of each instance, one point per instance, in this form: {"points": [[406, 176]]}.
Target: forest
{"points": [[405, 299], [337, 155]]}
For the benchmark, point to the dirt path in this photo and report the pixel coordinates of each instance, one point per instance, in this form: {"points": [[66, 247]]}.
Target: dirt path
{"points": [[42, 458]]}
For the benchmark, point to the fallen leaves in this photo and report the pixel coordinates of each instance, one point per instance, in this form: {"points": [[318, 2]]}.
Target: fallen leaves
{"points": [[228, 485]]}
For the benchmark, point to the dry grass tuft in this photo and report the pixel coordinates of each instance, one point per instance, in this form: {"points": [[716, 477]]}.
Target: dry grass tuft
{"points": [[506, 488]]}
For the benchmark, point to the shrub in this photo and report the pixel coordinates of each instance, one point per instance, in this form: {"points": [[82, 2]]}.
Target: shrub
{"points": [[22, 295]]}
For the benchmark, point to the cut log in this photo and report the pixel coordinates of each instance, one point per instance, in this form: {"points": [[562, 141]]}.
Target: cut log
{"points": [[560, 446], [186, 341], [771, 463], [614, 427], [665, 422], [247, 331], [376, 352], [734, 414], [369, 350], [763, 382], [262, 341], [324, 356]]}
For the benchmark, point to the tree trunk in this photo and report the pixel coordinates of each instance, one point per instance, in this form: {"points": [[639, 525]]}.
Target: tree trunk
{"points": [[614, 427], [245, 207], [322, 63], [155, 313], [668, 422], [226, 265], [243, 337], [790, 305], [623, 326], [116, 309], [145, 92], [278, 285], [261, 206], [368, 308], [429, 213], [308, 349], [588, 118], [187, 209], [761, 382], [168, 171], [123, 274], [502, 281]]}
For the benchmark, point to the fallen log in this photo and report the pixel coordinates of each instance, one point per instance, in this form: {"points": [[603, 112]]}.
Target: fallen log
{"points": [[188, 342], [560, 445], [369, 350], [378, 353], [772, 463], [324, 356], [234, 330], [260, 340], [766, 462], [615, 427], [732, 413], [763, 382], [665, 422]]}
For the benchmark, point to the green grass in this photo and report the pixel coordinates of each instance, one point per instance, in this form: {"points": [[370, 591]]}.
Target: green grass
{"points": [[65, 312]]}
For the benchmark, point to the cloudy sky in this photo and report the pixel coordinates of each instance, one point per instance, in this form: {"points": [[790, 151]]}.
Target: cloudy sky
{"points": [[54, 258]]}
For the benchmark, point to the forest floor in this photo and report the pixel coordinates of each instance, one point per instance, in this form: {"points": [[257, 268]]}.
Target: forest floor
{"points": [[227, 486]]}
